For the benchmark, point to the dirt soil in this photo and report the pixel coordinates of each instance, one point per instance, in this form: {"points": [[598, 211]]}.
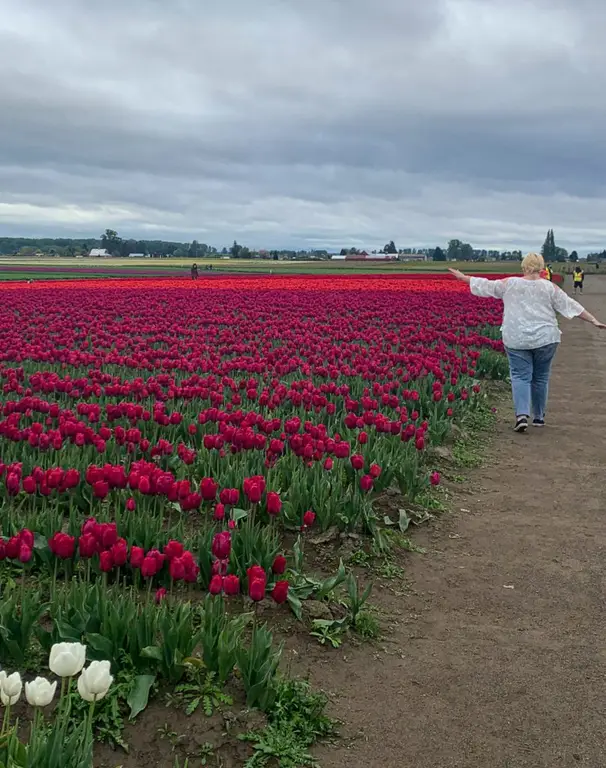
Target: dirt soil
{"points": [[496, 656]]}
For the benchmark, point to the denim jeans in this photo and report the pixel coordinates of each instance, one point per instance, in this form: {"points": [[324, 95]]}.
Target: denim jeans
{"points": [[530, 370]]}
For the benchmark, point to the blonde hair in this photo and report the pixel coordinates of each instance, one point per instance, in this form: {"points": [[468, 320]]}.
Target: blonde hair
{"points": [[533, 263]]}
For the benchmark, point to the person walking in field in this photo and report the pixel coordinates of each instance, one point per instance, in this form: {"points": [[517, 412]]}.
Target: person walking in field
{"points": [[530, 332], [194, 271], [577, 279]]}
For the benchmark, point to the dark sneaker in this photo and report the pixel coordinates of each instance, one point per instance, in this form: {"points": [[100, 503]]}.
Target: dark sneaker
{"points": [[521, 424], [538, 422]]}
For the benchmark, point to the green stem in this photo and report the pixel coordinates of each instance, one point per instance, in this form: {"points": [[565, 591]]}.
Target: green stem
{"points": [[89, 719], [54, 584]]}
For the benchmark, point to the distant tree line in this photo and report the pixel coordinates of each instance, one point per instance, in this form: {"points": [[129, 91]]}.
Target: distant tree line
{"points": [[122, 247], [456, 250]]}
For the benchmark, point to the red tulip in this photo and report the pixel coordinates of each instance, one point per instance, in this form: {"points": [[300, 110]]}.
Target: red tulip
{"points": [[131, 505], [87, 546], [357, 462], [280, 592], [256, 590], [177, 569], [100, 489], [219, 513], [106, 562], [208, 489], [13, 484], [149, 567], [309, 518], [279, 565], [221, 545], [434, 478], [119, 552], [216, 585], [13, 547], [62, 545], [229, 497], [160, 595], [137, 555], [25, 553], [375, 471], [173, 549], [256, 572], [274, 504], [29, 485], [231, 585], [366, 483]]}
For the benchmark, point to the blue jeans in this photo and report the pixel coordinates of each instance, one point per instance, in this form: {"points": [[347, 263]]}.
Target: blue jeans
{"points": [[530, 370]]}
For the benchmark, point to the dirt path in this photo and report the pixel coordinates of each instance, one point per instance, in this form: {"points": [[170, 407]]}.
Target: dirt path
{"points": [[497, 658]]}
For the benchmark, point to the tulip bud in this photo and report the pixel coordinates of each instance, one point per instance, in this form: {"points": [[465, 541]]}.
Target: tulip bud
{"points": [[10, 688], [95, 681], [216, 585], [67, 659], [40, 692], [280, 592]]}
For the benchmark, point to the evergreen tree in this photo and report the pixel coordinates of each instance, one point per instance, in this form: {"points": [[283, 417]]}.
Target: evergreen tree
{"points": [[549, 250], [438, 254]]}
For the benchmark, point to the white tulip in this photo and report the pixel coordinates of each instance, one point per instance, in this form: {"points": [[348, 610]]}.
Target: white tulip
{"points": [[10, 690], [95, 680], [67, 659], [40, 692]]}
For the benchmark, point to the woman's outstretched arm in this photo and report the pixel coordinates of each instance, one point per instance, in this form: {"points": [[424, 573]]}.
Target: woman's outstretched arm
{"points": [[480, 286], [589, 318]]}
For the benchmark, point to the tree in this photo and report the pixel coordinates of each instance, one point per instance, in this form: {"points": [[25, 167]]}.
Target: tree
{"points": [[454, 250], [438, 254], [111, 241], [574, 256], [466, 252], [235, 250], [549, 251], [561, 254], [390, 247]]}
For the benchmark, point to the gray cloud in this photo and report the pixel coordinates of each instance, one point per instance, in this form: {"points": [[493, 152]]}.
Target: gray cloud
{"points": [[327, 122]]}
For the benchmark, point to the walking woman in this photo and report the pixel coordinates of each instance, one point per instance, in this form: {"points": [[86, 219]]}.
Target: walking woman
{"points": [[530, 332]]}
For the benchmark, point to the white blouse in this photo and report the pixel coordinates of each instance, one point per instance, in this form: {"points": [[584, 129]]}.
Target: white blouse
{"points": [[530, 306]]}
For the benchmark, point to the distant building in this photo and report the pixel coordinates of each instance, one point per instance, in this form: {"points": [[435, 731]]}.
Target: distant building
{"points": [[413, 257], [136, 255], [99, 252], [364, 256]]}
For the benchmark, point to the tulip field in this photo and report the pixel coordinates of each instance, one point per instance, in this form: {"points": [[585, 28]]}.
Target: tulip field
{"points": [[168, 448]]}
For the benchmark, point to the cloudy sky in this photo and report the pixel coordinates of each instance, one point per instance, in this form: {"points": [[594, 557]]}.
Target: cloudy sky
{"points": [[317, 123]]}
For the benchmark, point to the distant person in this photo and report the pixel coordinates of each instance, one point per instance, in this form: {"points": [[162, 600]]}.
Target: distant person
{"points": [[194, 271], [577, 279], [549, 273], [530, 332]]}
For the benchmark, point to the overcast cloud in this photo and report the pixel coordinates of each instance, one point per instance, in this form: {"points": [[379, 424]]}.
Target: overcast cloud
{"points": [[301, 123]]}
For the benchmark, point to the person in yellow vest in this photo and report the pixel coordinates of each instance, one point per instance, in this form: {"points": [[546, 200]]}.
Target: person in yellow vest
{"points": [[577, 279], [549, 272]]}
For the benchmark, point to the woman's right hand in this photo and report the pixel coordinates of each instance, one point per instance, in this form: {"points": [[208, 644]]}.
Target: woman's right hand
{"points": [[598, 324], [457, 274]]}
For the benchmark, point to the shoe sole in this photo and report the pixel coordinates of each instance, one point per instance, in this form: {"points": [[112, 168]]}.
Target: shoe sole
{"points": [[520, 428], [540, 426]]}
